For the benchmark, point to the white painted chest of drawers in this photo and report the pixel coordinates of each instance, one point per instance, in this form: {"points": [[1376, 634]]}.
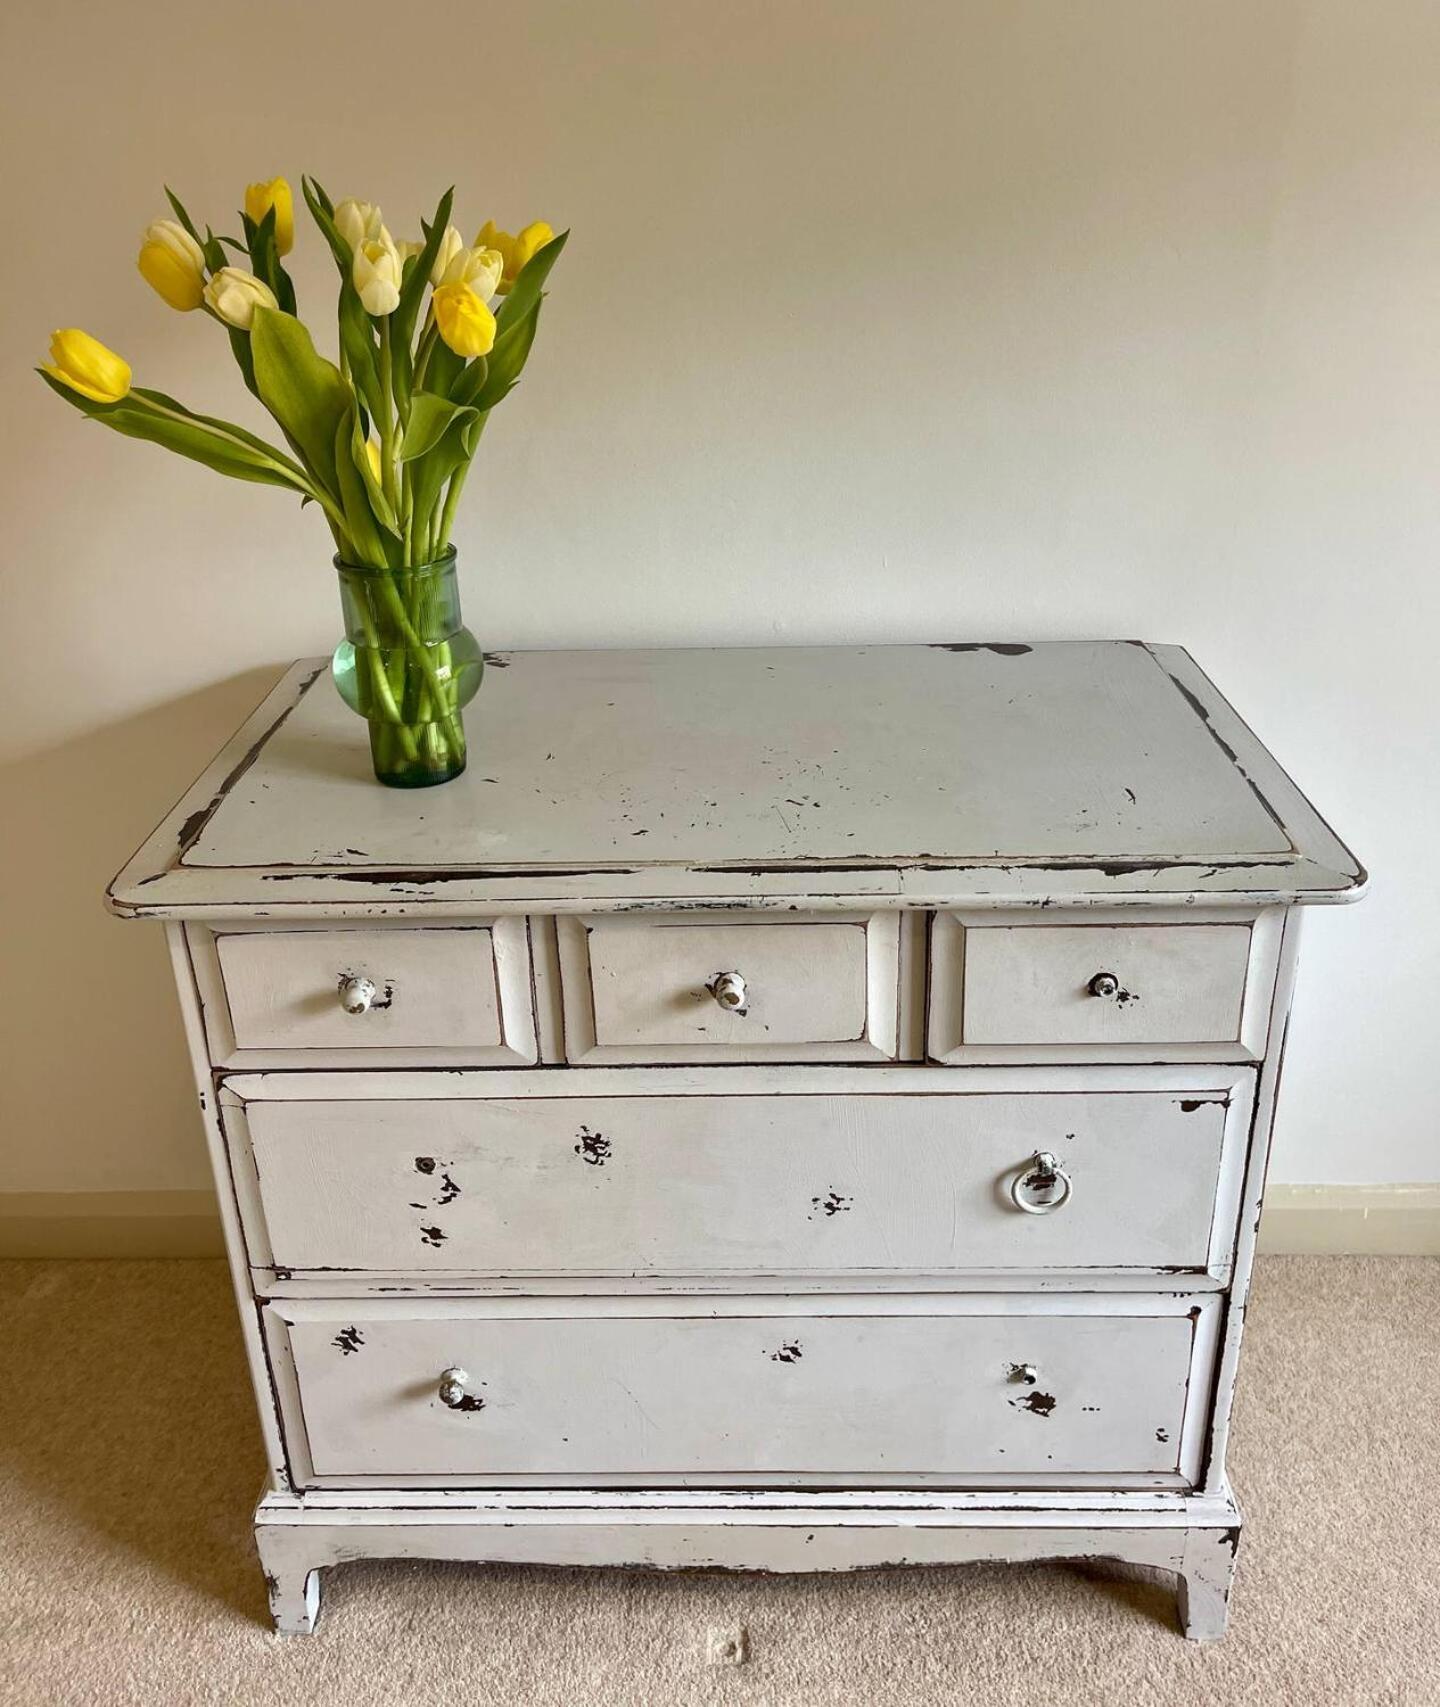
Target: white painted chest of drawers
{"points": [[782, 1109]]}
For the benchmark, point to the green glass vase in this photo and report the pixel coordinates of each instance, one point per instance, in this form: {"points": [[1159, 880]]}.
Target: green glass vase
{"points": [[409, 666]]}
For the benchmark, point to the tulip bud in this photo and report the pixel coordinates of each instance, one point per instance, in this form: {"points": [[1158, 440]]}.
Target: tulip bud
{"points": [[173, 265], [357, 222], [235, 294], [376, 272], [85, 365], [451, 245], [465, 323], [260, 198], [515, 251], [481, 269]]}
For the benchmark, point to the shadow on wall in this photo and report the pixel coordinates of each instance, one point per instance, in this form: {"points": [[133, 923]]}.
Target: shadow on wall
{"points": [[96, 1093]]}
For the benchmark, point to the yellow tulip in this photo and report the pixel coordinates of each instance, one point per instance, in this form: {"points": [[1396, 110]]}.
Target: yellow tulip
{"points": [[465, 323], [514, 251], [85, 365], [173, 265], [260, 198]]}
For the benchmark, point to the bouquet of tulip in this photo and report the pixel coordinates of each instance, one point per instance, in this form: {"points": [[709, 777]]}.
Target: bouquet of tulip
{"points": [[381, 442]]}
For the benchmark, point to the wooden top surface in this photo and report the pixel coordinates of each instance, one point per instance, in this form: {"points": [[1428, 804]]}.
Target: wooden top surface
{"points": [[976, 774]]}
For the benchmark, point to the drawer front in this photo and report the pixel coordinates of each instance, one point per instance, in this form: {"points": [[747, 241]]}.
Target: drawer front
{"points": [[1019, 1391], [718, 1185], [316, 997], [674, 987], [1100, 991]]}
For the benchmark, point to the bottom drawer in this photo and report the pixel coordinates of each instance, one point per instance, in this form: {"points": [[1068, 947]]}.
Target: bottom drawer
{"points": [[982, 1390]]}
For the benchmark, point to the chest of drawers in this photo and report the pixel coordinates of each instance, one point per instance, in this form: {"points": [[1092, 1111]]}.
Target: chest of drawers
{"points": [[781, 1109]]}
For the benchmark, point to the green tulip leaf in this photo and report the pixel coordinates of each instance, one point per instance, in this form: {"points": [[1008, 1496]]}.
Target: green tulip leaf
{"points": [[429, 473], [306, 394], [357, 340], [152, 416], [525, 292], [265, 258], [379, 503], [507, 359], [180, 213], [467, 383], [414, 279], [240, 349], [430, 418], [228, 428], [324, 216], [360, 523], [443, 371]]}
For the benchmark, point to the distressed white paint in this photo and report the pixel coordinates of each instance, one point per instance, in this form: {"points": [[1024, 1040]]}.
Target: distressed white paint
{"points": [[1175, 984], [1195, 1538], [594, 1184], [741, 1391], [644, 988], [706, 751], [276, 998], [616, 1311], [1196, 984]]}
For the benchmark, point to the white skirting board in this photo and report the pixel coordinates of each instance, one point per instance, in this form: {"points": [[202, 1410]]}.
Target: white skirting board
{"points": [[1299, 1220]]}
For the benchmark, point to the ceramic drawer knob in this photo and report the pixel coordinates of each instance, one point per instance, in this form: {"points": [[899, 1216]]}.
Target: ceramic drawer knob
{"points": [[356, 995], [1041, 1187], [1104, 984], [729, 990], [452, 1388]]}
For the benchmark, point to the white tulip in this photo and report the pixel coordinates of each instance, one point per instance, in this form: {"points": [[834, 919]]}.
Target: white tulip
{"points": [[451, 245], [376, 274], [481, 269], [358, 222], [235, 294]]}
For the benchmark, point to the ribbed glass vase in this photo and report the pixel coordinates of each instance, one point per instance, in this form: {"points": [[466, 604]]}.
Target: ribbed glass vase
{"points": [[409, 666]]}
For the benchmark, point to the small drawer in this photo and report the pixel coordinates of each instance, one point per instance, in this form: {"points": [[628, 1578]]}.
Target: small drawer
{"points": [[1083, 988], [324, 997], [594, 1187], [984, 1389], [731, 987]]}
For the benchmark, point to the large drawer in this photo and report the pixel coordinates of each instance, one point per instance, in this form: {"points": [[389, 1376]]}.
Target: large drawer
{"points": [[993, 1390], [1081, 987], [734, 987], [595, 1183], [298, 996]]}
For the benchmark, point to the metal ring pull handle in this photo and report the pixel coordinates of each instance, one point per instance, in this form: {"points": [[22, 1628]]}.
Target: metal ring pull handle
{"points": [[728, 989], [356, 994], [452, 1388], [1042, 1187]]}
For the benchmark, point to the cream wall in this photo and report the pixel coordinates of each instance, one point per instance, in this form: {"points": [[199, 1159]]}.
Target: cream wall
{"points": [[882, 321]]}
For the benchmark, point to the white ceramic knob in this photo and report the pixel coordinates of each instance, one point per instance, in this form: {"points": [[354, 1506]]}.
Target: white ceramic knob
{"points": [[452, 1387], [356, 994], [729, 990]]}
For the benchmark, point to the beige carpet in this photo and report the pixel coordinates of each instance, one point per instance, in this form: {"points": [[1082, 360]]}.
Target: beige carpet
{"points": [[127, 1575]]}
